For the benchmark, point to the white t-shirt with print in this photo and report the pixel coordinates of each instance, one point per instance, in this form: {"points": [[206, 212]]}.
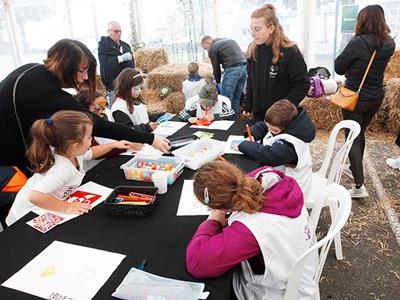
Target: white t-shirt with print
{"points": [[61, 180]]}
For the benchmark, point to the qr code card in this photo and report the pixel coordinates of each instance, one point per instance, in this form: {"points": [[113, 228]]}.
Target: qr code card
{"points": [[45, 222]]}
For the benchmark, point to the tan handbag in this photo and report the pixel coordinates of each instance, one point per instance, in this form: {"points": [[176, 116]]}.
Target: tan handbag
{"points": [[346, 98]]}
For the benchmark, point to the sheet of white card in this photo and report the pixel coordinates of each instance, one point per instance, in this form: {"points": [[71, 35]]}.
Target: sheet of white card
{"points": [[168, 128], [216, 125], [69, 270], [188, 204], [233, 140], [146, 150], [90, 187]]}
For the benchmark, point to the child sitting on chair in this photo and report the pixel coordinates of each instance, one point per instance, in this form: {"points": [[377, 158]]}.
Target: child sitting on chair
{"points": [[207, 105], [128, 107], [267, 231], [59, 146], [285, 133], [194, 82]]}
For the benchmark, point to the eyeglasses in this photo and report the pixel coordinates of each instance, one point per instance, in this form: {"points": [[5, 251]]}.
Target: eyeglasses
{"points": [[83, 71], [116, 31], [255, 28]]}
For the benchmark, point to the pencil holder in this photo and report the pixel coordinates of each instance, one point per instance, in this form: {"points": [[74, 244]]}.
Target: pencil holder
{"points": [[117, 207]]}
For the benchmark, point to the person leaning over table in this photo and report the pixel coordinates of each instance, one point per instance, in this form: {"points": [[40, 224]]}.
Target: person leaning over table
{"points": [[372, 33], [275, 66], [267, 231], [40, 93]]}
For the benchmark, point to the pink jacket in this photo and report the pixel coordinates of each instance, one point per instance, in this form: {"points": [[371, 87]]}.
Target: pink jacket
{"points": [[214, 250]]}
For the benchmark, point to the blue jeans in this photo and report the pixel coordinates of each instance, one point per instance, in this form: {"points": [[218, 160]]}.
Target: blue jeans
{"points": [[110, 97], [232, 85]]}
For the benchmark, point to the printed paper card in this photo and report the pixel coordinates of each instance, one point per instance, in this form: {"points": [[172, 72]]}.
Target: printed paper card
{"points": [[188, 204], [65, 271], [90, 192], [232, 141], [168, 128], [216, 125], [45, 222]]}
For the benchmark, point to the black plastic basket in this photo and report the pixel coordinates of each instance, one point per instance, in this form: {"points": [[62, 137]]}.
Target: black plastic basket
{"points": [[113, 208]]}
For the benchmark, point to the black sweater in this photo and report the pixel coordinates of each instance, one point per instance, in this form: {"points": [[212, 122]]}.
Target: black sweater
{"points": [[109, 65], [39, 95], [353, 62], [267, 83]]}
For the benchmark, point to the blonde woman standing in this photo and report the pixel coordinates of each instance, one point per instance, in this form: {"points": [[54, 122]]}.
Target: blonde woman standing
{"points": [[275, 66]]}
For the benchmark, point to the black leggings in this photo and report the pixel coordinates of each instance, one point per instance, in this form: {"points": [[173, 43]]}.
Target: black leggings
{"points": [[363, 114]]}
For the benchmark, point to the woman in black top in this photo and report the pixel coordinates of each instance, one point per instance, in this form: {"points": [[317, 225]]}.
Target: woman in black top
{"points": [[372, 33], [39, 94], [275, 67]]}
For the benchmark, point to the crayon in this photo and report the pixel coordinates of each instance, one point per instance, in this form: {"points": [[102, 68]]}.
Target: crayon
{"points": [[249, 133]]}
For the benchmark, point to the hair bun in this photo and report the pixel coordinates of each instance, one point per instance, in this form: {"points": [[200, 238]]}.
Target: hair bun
{"points": [[269, 6]]}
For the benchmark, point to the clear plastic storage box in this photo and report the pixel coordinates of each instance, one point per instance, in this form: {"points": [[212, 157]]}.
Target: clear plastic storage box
{"points": [[200, 152], [141, 168]]}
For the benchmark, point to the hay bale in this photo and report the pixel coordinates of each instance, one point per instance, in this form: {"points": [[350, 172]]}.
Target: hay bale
{"points": [[392, 98], [324, 114], [150, 96], [150, 58], [174, 74], [393, 67], [175, 102], [157, 108], [100, 86]]}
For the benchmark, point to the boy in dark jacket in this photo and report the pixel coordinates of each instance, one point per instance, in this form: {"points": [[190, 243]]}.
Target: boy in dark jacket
{"points": [[285, 133]]}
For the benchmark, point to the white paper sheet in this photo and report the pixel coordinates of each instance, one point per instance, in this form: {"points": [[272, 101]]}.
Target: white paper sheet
{"points": [[188, 204], [168, 128], [64, 269], [89, 187], [216, 125], [233, 140], [147, 150]]}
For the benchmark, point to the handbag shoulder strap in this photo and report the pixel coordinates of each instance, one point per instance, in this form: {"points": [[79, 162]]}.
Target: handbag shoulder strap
{"points": [[15, 103], [366, 71]]}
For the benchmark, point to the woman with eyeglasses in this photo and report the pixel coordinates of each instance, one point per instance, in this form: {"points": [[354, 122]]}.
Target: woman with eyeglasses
{"points": [[371, 33], [35, 91], [275, 66]]}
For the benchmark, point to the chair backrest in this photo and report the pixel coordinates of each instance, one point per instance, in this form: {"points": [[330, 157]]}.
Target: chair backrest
{"points": [[342, 196], [336, 165]]}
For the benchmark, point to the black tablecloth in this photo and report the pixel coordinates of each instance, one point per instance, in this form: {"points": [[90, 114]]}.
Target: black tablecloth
{"points": [[160, 238]]}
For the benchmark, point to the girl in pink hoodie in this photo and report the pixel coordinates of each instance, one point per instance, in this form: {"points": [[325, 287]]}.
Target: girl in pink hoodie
{"points": [[267, 231]]}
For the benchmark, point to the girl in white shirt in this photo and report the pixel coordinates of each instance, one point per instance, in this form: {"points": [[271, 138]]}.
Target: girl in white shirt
{"points": [[59, 146], [128, 107]]}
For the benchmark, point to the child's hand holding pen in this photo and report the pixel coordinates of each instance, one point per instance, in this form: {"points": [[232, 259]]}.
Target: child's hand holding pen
{"points": [[192, 120], [77, 208]]}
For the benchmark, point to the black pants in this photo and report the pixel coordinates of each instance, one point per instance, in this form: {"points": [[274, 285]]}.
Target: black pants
{"points": [[363, 114]]}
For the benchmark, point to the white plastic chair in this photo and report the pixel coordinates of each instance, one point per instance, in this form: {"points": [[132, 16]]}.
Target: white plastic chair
{"points": [[340, 195], [331, 171]]}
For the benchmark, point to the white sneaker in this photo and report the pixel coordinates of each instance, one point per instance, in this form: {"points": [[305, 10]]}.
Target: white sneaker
{"points": [[361, 192], [347, 171], [394, 162]]}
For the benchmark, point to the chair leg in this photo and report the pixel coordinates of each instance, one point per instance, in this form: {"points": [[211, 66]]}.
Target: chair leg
{"points": [[333, 208]]}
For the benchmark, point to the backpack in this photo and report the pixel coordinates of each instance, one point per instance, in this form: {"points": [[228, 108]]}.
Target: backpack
{"points": [[321, 72], [316, 87]]}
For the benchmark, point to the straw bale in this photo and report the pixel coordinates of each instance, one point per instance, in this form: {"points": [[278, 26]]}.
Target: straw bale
{"points": [[175, 102], [150, 96], [100, 86], [174, 74], [156, 108], [324, 114], [150, 58], [393, 67], [392, 97]]}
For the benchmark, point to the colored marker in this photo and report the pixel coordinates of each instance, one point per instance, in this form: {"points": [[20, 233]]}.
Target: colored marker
{"points": [[142, 265], [249, 133]]}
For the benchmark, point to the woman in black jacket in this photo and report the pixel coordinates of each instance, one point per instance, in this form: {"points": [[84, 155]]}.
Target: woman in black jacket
{"points": [[275, 67], [372, 33], [39, 94]]}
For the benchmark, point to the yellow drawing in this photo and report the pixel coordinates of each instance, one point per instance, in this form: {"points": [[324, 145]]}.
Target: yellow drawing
{"points": [[49, 271]]}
